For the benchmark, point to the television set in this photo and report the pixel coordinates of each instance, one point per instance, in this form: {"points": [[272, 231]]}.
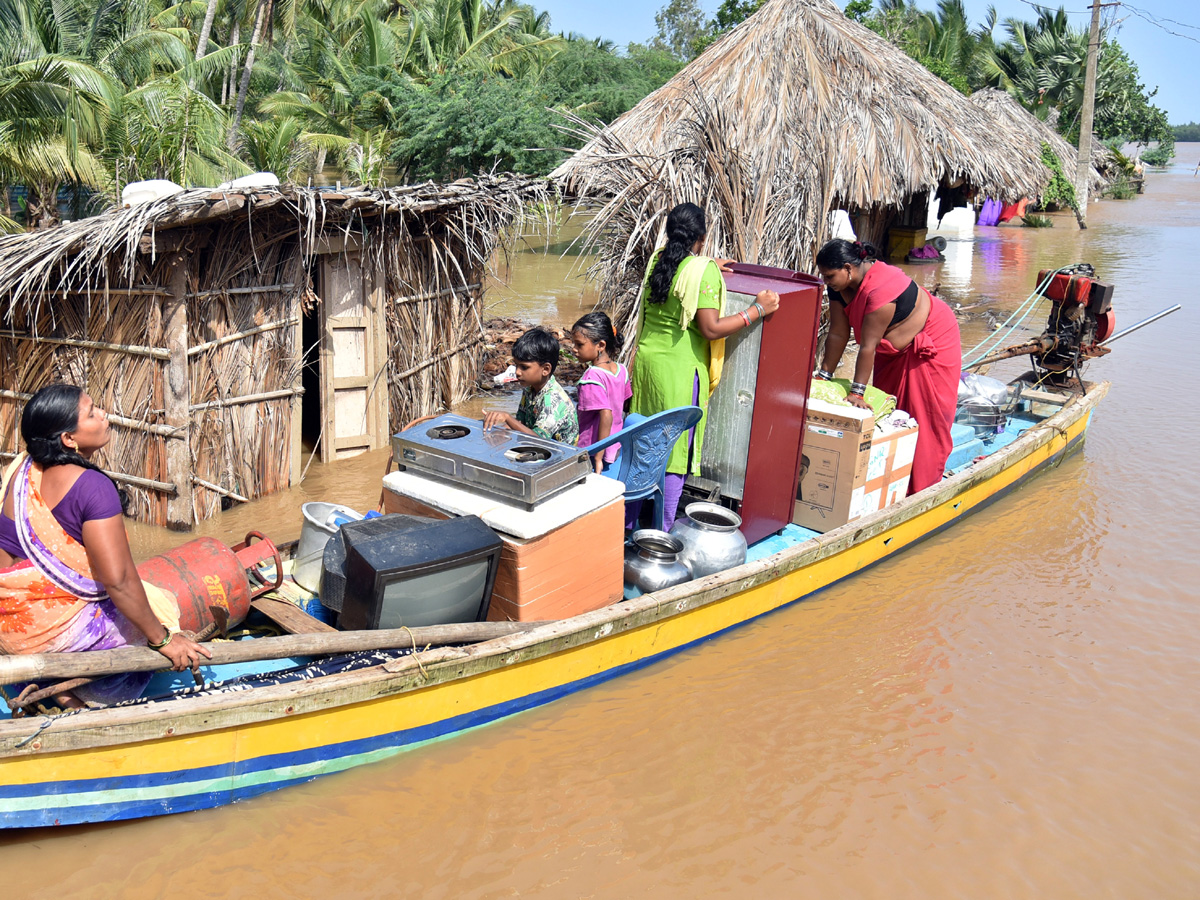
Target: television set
{"points": [[398, 570]]}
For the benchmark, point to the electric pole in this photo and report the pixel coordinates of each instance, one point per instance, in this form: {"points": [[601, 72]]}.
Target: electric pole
{"points": [[1084, 163]]}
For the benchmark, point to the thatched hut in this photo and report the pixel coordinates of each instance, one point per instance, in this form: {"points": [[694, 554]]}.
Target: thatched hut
{"points": [[223, 330], [795, 112], [1004, 108]]}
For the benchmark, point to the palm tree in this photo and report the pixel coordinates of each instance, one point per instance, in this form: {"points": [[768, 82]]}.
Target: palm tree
{"points": [[276, 145]]}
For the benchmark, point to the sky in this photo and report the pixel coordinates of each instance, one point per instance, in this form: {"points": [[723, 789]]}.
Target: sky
{"points": [[1164, 60]]}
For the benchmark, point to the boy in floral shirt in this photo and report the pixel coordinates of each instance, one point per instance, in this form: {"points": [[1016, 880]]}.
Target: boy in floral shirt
{"points": [[545, 408]]}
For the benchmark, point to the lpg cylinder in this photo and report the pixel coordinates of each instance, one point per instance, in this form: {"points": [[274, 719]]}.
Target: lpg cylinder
{"points": [[204, 575]]}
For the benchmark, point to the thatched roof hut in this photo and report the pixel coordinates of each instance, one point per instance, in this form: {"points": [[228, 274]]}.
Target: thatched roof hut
{"points": [[1004, 108], [813, 112], [225, 329]]}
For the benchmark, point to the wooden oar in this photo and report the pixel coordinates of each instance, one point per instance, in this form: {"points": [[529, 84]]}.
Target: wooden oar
{"points": [[98, 663]]}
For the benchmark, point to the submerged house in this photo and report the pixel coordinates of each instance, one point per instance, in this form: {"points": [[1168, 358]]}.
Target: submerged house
{"points": [[233, 333], [796, 112]]}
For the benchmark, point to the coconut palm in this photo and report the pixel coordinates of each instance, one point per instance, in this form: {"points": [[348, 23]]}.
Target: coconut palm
{"points": [[276, 145]]}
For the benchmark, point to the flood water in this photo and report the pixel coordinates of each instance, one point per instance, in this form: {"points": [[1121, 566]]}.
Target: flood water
{"points": [[1008, 710]]}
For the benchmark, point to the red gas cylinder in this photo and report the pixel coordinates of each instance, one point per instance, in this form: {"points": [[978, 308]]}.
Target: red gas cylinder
{"points": [[209, 579]]}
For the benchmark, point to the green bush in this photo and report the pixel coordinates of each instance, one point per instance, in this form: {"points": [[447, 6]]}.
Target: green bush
{"points": [[1060, 192], [1120, 189], [1035, 221], [1161, 155]]}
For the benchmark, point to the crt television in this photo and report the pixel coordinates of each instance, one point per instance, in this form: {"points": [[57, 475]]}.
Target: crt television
{"points": [[408, 570]]}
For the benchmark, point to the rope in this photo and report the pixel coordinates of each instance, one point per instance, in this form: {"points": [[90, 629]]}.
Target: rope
{"points": [[49, 720], [993, 342], [413, 638]]}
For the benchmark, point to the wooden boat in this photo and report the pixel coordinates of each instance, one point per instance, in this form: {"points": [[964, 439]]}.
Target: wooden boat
{"points": [[198, 752]]}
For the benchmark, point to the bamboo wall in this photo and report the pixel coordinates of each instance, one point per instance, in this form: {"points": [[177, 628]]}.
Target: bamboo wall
{"points": [[433, 299], [246, 296], [243, 294], [126, 377]]}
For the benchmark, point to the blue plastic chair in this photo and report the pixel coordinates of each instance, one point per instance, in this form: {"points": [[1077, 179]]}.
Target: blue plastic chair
{"points": [[646, 443]]}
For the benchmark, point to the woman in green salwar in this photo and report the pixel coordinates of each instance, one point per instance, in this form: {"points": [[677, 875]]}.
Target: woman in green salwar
{"points": [[681, 341]]}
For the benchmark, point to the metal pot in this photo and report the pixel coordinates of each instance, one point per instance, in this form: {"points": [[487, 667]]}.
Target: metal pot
{"points": [[710, 537], [651, 561], [320, 521]]}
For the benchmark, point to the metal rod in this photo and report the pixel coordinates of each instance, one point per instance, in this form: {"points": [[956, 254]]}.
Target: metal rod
{"points": [[1142, 324]]}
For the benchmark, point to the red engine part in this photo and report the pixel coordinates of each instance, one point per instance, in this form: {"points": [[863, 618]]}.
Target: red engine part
{"points": [[209, 579], [1106, 324], [1067, 288]]}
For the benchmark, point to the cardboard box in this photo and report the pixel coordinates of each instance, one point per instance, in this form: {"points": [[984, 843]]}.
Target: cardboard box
{"points": [[849, 469]]}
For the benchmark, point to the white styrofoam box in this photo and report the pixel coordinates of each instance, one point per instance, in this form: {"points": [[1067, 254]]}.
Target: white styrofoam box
{"points": [[592, 493]]}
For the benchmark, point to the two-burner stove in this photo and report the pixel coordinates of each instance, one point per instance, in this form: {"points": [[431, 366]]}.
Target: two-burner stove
{"points": [[516, 467]]}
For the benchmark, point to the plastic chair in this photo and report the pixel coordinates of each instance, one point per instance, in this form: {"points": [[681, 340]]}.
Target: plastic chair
{"points": [[646, 444]]}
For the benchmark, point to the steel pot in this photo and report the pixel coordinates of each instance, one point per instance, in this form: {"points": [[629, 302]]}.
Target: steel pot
{"points": [[652, 563], [710, 537]]}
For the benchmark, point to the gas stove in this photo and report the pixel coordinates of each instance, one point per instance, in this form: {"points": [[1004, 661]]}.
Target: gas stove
{"points": [[519, 468]]}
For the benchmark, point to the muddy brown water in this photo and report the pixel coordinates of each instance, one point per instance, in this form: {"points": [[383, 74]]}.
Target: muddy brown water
{"points": [[1008, 710]]}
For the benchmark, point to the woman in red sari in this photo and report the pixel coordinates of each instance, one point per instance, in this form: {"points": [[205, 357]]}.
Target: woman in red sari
{"points": [[907, 339]]}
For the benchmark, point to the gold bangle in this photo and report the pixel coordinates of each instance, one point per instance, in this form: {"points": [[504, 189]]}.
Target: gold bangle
{"points": [[163, 642]]}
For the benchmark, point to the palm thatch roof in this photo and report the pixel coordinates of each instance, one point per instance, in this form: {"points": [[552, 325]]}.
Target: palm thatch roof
{"points": [[796, 112], [801, 80], [79, 256], [1005, 108]]}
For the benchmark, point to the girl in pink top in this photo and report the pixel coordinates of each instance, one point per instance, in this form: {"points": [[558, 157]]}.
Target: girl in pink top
{"points": [[604, 388]]}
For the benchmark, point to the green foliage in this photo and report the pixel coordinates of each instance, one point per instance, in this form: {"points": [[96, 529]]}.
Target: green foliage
{"points": [[95, 93], [598, 85], [1120, 189], [1162, 154], [858, 10], [732, 13], [460, 125], [1123, 106], [946, 71], [941, 41], [1122, 163], [1189, 132], [1060, 192], [680, 25], [1036, 221], [1043, 63]]}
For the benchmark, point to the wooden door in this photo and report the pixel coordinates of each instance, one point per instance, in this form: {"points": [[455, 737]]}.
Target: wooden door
{"points": [[354, 383]]}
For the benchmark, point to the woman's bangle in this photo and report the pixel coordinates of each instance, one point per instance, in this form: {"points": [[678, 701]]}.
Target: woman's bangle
{"points": [[761, 312], [163, 642], [857, 387], [823, 374], [745, 317]]}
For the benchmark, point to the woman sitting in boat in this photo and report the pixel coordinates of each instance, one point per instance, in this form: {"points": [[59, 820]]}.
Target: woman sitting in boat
{"points": [[682, 336], [67, 578], [907, 338]]}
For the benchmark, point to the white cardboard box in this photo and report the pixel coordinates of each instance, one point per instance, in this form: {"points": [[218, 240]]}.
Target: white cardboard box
{"points": [[848, 468]]}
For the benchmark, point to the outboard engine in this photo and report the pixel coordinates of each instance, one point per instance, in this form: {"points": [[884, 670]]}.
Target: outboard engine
{"points": [[1081, 317]]}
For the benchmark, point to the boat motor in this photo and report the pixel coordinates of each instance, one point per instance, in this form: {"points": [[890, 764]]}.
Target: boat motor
{"points": [[1080, 321]]}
